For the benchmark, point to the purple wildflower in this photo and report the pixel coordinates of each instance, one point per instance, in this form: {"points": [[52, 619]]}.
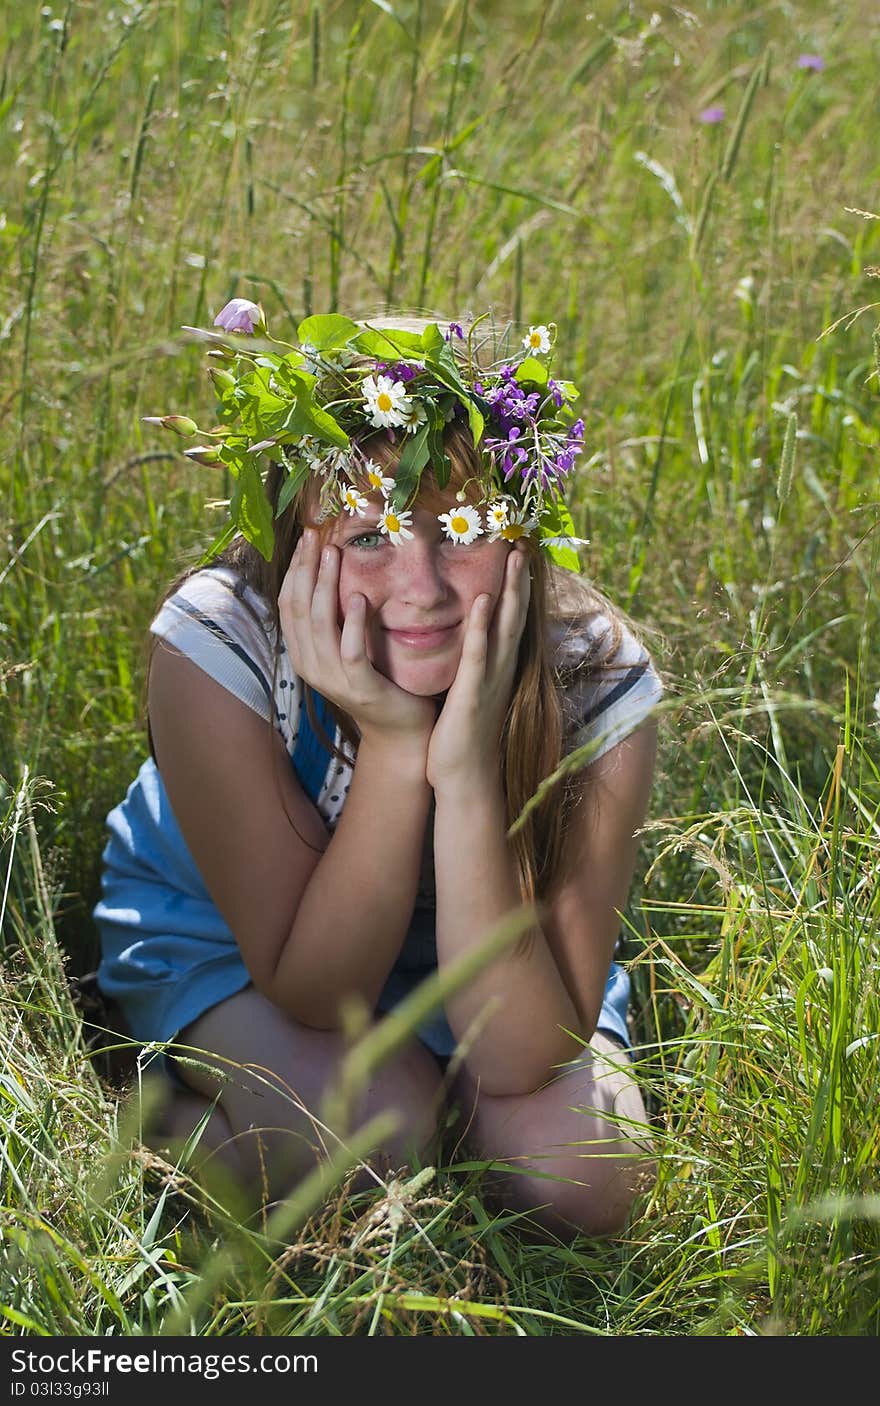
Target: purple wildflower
{"points": [[556, 392], [510, 403], [712, 115], [814, 62], [455, 330], [240, 315], [397, 370]]}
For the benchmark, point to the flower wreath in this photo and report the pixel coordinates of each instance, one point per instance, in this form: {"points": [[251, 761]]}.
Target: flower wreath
{"points": [[310, 406]]}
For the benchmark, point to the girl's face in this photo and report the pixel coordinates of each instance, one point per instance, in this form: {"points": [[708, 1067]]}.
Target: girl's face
{"points": [[419, 593]]}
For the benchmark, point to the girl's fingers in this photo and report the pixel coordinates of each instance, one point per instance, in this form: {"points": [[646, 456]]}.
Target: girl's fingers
{"points": [[295, 597], [353, 640], [325, 598], [510, 613], [474, 647]]}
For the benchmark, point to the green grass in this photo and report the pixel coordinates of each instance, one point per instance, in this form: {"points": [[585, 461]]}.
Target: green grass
{"points": [[161, 158]]}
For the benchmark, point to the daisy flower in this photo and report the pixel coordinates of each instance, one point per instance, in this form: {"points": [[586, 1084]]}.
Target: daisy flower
{"points": [[461, 524], [395, 524], [353, 501], [376, 478], [497, 513], [520, 525], [537, 340], [415, 417], [387, 401]]}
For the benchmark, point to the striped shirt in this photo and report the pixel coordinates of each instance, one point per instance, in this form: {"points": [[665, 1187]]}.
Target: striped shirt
{"points": [[209, 621]]}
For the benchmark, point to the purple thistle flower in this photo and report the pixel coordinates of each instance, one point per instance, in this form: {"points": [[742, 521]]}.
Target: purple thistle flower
{"points": [[712, 115], [813, 62], [240, 315], [455, 330]]}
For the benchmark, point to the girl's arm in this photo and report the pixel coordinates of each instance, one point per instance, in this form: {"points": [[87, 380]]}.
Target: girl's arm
{"points": [[514, 1015], [524, 1003], [316, 919]]}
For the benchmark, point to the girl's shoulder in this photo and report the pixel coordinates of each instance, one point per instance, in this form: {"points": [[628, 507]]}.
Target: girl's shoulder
{"points": [[219, 589], [607, 679], [214, 617]]}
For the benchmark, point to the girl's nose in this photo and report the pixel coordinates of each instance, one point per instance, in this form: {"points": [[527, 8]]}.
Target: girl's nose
{"points": [[419, 578]]}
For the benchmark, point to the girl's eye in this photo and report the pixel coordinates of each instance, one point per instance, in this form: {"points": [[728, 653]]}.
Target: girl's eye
{"points": [[366, 541]]}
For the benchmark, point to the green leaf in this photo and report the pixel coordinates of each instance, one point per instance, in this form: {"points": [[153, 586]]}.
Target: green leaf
{"points": [[327, 331], [475, 420], [251, 511], [293, 483], [413, 459], [565, 556], [389, 342], [305, 417], [436, 448], [556, 521], [433, 340], [291, 374], [442, 362], [262, 412], [532, 370]]}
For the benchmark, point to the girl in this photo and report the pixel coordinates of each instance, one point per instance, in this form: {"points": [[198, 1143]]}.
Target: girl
{"points": [[348, 709]]}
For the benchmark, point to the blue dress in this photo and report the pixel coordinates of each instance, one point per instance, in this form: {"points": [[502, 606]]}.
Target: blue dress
{"points": [[167, 953]]}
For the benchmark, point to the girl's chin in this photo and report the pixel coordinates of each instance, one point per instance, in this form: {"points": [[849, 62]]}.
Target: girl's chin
{"points": [[423, 683], [423, 674]]}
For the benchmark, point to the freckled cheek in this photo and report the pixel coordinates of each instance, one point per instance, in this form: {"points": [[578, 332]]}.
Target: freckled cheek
{"points": [[483, 574], [360, 578]]}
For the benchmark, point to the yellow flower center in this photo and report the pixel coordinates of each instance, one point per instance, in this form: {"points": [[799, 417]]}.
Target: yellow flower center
{"points": [[535, 339], [459, 523], [512, 531], [375, 479], [392, 522], [384, 402]]}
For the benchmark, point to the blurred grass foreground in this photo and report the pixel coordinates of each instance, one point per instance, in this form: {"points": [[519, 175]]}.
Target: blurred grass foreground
{"points": [[692, 195]]}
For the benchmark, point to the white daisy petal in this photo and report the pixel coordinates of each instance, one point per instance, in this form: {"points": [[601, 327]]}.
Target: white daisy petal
{"points": [[461, 524], [416, 417], [497, 512], [375, 477], [537, 340], [387, 402], [521, 524], [353, 501], [395, 524]]}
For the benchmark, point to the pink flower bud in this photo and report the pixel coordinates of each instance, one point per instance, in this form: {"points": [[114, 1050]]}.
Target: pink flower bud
{"points": [[204, 454], [223, 380], [180, 424], [241, 315]]}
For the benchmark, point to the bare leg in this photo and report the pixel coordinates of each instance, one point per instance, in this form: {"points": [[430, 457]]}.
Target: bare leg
{"points": [[272, 1076], [577, 1149]]}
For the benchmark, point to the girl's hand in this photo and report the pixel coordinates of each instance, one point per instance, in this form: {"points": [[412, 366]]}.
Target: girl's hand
{"points": [[334, 661], [464, 743]]}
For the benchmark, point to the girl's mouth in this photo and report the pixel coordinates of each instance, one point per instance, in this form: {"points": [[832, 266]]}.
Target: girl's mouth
{"points": [[423, 637]]}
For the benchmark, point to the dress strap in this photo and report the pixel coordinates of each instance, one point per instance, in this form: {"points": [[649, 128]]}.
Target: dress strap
{"points": [[311, 758]]}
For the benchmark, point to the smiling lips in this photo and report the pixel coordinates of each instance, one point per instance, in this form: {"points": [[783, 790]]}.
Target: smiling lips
{"points": [[423, 636]]}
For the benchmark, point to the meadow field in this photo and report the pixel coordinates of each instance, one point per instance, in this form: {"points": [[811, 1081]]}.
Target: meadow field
{"points": [[691, 194]]}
